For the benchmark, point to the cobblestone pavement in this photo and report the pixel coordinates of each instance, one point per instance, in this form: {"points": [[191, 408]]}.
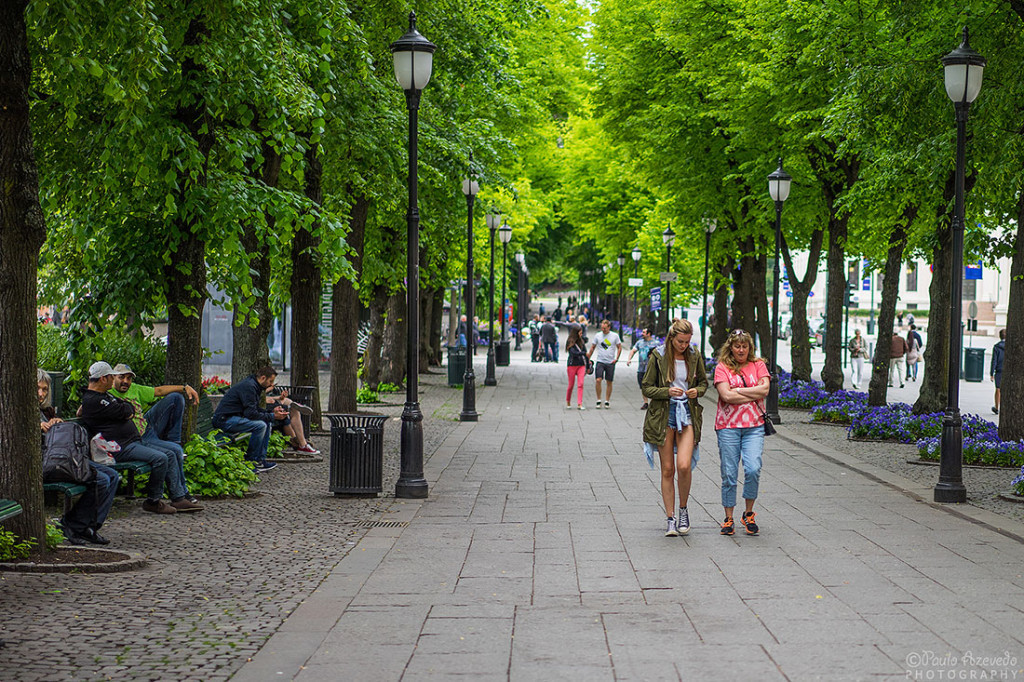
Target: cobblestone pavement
{"points": [[219, 582], [984, 485]]}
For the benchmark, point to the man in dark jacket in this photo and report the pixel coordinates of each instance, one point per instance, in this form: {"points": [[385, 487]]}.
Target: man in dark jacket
{"points": [[239, 411], [113, 418], [549, 337], [996, 368]]}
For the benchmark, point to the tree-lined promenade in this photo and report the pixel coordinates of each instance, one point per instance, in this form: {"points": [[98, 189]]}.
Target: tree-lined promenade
{"points": [[150, 150]]}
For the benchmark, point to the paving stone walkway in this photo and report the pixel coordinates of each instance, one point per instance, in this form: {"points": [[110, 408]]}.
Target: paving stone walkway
{"points": [[540, 555]]}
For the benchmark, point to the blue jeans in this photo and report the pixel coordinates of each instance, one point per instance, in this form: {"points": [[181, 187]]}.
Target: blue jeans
{"points": [[258, 441], [164, 418], [91, 509], [177, 487], [139, 451], [734, 445], [551, 352]]}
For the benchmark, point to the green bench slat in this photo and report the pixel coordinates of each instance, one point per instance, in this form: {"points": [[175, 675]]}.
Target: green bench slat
{"points": [[68, 490], [9, 509], [204, 423]]}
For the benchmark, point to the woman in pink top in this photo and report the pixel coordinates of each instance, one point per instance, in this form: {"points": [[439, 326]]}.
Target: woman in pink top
{"points": [[742, 384]]}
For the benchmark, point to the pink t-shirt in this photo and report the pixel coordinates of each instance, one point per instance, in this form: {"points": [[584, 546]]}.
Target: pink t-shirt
{"points": [[731, 416]]}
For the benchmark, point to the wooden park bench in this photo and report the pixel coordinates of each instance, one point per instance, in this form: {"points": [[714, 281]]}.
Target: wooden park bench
{"points": [[69, 490], [9, 509]]}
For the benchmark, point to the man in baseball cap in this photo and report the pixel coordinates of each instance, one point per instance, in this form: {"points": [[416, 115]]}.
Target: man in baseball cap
{"points": [[110, 416]]}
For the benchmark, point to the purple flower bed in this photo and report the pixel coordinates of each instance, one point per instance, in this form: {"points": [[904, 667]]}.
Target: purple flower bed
{"points": [[1018, 483], [840, 408]]}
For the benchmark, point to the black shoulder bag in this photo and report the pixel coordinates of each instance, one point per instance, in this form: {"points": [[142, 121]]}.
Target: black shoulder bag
{"points": [[769, 427]]}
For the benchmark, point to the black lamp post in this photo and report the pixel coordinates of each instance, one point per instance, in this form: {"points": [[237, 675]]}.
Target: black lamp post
{"points": [[505, 235], [669, 237], [963, 70], [621, 260], [779, 182], [413, 61], [470, 187], [520, 259], [493, 220], [709, 227], [636, 275]]}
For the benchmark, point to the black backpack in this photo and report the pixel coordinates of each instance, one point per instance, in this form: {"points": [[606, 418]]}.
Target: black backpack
{"points": [[66, 454]]}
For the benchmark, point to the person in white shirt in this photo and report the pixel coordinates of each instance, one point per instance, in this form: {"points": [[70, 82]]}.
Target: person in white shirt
{"points": [[608, 347]]}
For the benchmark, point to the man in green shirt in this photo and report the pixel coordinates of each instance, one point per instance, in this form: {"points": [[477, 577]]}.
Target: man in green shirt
{"points": [[158, 415]]}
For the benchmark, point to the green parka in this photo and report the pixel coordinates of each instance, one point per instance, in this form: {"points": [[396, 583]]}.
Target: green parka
{"points": [[655, 386]]}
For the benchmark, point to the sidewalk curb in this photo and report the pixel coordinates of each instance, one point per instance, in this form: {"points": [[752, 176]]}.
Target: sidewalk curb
{"points": [[967, 512]]}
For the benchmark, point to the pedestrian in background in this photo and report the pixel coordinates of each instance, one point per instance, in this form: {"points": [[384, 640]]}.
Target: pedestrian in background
{"points": [[576, 366], [915, 344], [549, 337], [897, 352], [642, 349], [742, 382], [674, 380], [996, 368], [858, 351]]}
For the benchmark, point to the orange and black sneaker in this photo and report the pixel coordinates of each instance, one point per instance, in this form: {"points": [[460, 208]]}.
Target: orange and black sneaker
{"points": [[748, 522], [728, 528]]}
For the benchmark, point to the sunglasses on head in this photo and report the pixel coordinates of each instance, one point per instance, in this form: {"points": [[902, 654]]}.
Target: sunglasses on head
{"points": [[737, 332]]}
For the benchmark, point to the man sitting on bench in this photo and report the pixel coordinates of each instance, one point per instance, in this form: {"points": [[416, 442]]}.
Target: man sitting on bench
{"points": [[239, 411], [160, 425], [112, 417]]}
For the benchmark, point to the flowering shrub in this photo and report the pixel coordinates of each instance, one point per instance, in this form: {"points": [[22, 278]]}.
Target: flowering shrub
{"points": [[215, 385], [841, 408], [802, 394], [1018, 483], [986, 449]]}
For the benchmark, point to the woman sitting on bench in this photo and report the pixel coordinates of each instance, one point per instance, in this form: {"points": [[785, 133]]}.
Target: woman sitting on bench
{"points": [[292, 426], [82, 523]]}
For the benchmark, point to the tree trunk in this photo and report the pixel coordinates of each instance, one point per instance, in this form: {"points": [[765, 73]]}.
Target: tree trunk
{"points": [[306, 292], [375, 343], [1011, 421], [249, 330], [743, 289], [799, 343], [22, 232], [720, 329], [437, 313], [345, 318], [760, 291], [393, 350], [878, 385], [185, 275], [832, 373]]}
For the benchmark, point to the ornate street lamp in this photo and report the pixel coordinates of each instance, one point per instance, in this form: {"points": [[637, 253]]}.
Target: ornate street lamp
{"points": [[621, 260], [493, 220], [779, 182], [709, 227], [470, 187], [413, 61], [636, 275], [505, 235], [963, 70], [669, 237]]}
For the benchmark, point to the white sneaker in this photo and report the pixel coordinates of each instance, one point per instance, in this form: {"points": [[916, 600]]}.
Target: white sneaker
{"points": [[683, 521], [568, 407], [582, 406], [598, 406], [671, 532], [607, 405]]}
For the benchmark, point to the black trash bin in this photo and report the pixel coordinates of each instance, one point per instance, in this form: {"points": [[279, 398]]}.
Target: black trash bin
{"points": [[456, 365], [302, 395], [357, 454], [502, 354], [974, 364]]}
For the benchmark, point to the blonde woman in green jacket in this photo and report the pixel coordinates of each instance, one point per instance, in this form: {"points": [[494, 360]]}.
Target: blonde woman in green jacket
{"points": [[674, 380]]}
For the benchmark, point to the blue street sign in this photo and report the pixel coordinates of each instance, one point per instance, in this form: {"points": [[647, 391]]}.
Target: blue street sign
{"points": [[972, 271], [656, 298], [789, 294]]}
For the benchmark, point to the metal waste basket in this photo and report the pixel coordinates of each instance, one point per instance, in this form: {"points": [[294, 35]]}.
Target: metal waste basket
{"points": [[357, 454], [302, 395], [456, 365], [974, 364], [502, 354]]}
